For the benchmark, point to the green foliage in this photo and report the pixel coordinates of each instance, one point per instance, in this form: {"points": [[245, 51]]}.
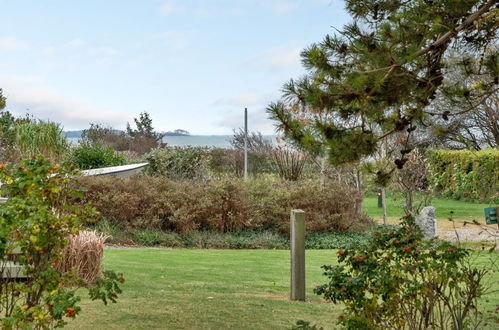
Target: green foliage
{"points": [[319, 241], [143, 128], [398, 280], [2, 100], [465, 174], [37, 137], [7, 122], [178, 163], [242, 239], [86, 156], [98, 134], [380, 74], [107, 287], [40, 213], [239, 239]]}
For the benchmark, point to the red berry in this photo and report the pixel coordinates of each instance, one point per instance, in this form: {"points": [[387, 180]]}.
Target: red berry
{"points": [[70, 312], [407, 249]]}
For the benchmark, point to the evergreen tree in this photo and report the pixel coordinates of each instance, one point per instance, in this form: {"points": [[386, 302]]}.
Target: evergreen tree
{"points": [[379, 75], [144, 128]]}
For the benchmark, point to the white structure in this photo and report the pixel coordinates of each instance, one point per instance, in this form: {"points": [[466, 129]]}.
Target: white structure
{"points": [[124, 171]]}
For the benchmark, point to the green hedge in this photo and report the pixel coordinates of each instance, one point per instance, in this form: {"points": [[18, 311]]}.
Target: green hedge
{"points": [[464, 174]]}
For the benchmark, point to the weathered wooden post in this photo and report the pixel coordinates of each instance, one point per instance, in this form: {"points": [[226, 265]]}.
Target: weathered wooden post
{"points": [[297, 255]]}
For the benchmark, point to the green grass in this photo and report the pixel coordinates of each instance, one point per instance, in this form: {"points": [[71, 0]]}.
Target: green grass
{"points": [[463, 211], [212, 289], [208, 289]]}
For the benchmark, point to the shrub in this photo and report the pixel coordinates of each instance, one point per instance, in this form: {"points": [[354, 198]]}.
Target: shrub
{"points": [[465, 174], [289, 162], [37, 218], [178, 163], [222, 205], [88, 156], [230, 162], [400, 281]]}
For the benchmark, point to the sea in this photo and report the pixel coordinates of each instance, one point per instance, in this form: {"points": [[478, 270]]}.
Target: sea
{"points": [[212, 141]]}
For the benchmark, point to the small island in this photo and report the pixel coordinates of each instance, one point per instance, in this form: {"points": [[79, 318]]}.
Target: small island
{"points": [[177, 132]]}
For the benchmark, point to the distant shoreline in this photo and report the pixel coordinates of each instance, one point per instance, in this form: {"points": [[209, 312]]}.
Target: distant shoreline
{"points": [[213, 141]]}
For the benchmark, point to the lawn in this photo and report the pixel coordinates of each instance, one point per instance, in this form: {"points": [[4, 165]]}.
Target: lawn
{"points": [[208, 289], [211, 289], [463, 211]]}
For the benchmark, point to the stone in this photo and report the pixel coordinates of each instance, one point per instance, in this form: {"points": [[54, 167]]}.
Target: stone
{"points": [[427, 222]]}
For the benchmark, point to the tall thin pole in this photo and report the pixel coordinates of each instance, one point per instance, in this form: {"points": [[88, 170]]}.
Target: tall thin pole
{"points": [[245, 143]]}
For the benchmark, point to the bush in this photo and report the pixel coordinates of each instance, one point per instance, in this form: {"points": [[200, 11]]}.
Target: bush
{"points": [[400, 281], [464, 174], [37, 218], [225, 205], [230, 162], [88, 156], [178, 163]]}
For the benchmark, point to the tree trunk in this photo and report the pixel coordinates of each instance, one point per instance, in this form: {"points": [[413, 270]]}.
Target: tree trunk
{"points": [[408, 201], [323, 172]]}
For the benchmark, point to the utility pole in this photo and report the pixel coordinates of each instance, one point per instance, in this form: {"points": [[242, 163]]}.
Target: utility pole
{"points": [[245, 143]]}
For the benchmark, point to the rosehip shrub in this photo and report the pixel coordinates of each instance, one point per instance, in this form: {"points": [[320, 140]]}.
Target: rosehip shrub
{"points": [[400, 281], [36, 221]]}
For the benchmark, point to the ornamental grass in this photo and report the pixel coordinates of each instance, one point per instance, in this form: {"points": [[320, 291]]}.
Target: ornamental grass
{"points": [[83, 256]]}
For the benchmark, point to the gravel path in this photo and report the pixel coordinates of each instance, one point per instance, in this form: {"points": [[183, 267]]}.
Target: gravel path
{"points": [[469, 234]]}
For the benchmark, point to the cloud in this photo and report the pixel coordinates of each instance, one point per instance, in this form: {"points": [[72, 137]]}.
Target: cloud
{"points": [[276, 59], [45, 102], [8, 44], [169, 8], [244, 100]]}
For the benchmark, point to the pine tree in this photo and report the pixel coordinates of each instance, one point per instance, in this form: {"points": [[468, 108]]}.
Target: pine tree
{"points": [[379, 75], [144, 128]]}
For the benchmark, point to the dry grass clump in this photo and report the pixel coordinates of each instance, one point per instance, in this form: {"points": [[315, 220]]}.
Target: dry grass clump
{"points": [[83, 255]]}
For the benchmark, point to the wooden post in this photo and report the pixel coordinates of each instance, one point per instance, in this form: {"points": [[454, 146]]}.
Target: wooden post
{"points": [[383, 203], [297, 255]]}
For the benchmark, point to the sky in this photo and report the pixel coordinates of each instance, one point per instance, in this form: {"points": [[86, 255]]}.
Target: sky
{"points": [[191, 64]]}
